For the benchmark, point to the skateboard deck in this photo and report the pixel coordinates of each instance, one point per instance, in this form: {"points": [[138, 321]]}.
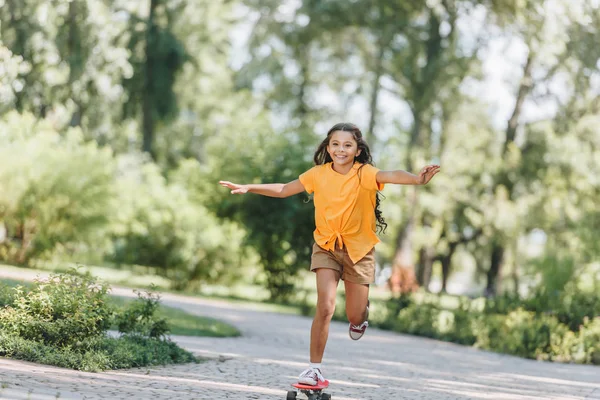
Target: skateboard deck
{"points": [[311, 392], [320, 386]]}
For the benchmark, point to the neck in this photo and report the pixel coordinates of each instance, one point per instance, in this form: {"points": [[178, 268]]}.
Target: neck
{"points": [[342, 169]]}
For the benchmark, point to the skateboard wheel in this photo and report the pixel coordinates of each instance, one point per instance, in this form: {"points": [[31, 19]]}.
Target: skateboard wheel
{"points": [[325, 396], [291, 395]]}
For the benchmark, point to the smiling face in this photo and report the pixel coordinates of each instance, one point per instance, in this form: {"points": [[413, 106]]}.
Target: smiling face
{"points": [[342, 148]]}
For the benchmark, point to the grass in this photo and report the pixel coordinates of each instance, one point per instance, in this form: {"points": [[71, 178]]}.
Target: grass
{"points": [[246, 295], [185, 324], [253, 296], [180, 322]]}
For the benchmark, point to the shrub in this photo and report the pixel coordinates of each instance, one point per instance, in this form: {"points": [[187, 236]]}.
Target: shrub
{"points": [[139, 318], [578, 307], [461, 328], [157, 224], [135, 351], [522, 333], [502, 304], [63, 321], [66, 310], [56, 188], [7, 295], [589, 336]]}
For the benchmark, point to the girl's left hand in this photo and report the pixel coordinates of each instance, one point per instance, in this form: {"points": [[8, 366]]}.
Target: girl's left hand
{"points": [[427, 173]]}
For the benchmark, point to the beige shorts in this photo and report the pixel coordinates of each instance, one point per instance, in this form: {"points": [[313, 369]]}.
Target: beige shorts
{"points": [[362, 272]]}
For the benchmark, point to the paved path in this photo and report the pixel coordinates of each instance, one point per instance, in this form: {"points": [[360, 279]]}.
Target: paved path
{"points": [[273, 350]]}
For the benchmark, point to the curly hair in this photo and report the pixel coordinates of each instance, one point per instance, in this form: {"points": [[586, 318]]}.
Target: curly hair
{"points": [[322, 157]]}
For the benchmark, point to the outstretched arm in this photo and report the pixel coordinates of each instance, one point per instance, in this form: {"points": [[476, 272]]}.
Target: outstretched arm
{"points": [[406, 178], [266, 189]]}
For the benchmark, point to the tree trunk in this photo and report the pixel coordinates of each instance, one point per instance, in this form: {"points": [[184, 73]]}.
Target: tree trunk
{"points": [[74, 66], [423, 86], [498, 249], [370, 134], [497, 261], [148, 94], [425, 267], [17, 47], [446, 263], [524, 88], [403, 278]]}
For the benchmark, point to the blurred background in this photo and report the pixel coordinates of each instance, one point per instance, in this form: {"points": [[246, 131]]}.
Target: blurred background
{"points": [[118, 119]]}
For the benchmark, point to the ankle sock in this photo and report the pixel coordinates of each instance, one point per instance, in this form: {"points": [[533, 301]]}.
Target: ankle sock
{"points": [[315, 366]]}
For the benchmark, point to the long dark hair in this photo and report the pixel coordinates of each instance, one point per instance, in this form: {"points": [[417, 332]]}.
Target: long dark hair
{"points": [[323, 157]]}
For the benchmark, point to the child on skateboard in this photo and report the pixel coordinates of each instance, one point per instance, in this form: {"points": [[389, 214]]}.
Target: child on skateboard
{"points": [[345, 185]]}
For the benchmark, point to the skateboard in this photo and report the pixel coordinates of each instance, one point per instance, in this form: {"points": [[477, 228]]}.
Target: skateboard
{"points": [[311, 392]]}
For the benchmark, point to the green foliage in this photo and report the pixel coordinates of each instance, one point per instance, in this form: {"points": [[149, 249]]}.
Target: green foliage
{"points": [[522, 333], [11, 67], [158, 224], [248, 112], [280, 230], [135, 351], [56, 188], [139, 317], [7, 295], [63, 321], [506, 325], [29, 350], [570, 305], [590, 341], [65, 311], [106, 353], [179, 322]]}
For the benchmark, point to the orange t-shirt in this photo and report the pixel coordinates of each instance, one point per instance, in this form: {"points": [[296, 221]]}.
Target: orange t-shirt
{"points": [[344, 207]]}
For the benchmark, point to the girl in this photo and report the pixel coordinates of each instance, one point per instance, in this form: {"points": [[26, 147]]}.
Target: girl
{"points": [[345, 185]]}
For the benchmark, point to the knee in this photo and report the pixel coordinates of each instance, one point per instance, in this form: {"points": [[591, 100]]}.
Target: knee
{"points": [[325, 308], [355, 317]]}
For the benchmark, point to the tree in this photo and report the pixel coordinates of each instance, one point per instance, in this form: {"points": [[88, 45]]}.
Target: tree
{"points": [[541, 27], [156, 56]]}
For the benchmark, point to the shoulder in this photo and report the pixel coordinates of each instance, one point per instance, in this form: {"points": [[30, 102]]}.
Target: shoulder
{"points": [[368, 174], [319, 169], [367, 168]]}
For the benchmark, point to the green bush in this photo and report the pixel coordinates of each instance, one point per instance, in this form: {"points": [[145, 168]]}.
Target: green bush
{"points": [[523, 333], [589, 337], [578, 307], [570, 305], [7, 295], [64, 311], [139, 317], [421, 320], [517, 331], [136, 351], [64, 321], [502, 304], [157, 224], [56, 188], [105, 353], [461, 327]]}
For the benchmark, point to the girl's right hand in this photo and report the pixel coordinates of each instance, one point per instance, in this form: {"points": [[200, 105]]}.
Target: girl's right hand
{"points": [[235, 188]]}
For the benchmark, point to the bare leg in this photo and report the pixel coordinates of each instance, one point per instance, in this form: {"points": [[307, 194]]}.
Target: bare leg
{"points": [[357, 296], [327, 281]]}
